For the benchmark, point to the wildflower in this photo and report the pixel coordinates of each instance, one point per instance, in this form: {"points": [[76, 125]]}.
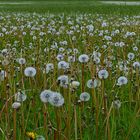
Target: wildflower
{"points": [[96, 60], [2, 75], [30, 72], [71, 58], [39, 137], [4, 52], [135, 48], [56, 99], [75, 51], [90, 28], [45, 95], [31, 135], [103, 74], [136, 65], [75, 84], [5, 62], [20, 96], [83, 58], [60, 57], [63, 65], [61, 49], [63, 80], [21, 61], [122, 81], [49, 67], [91, 83], [121, 44], [117, 104], [16, 105], [104, 24], [130, 56], [84, 96], [96, 54]]}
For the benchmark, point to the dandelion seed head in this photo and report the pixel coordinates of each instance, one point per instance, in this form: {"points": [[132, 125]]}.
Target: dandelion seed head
{"points": [[45, 96], [56, 100], [16, 105], [84, 96], [83, 58], [20, 96], [122, 81], [30, 72], [103, 74]]}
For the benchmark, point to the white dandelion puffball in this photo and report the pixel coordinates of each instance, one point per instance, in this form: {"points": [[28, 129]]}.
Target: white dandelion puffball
{"points": [[20, 96], [60, 57], [2, 75], [56, 99], [136, 65], [84, 96], [131, 56], [21, 61], [5, 62], [30, 72], [103, 74], [63, 65], [49, 67], [117, 104], [39, 137], [75, 84], [92, 83], [122, 81], [135, 48], [16, 105], [71, 59], [45, 95], [83, 58], [98, 82], [63, 80], [96, 60]]}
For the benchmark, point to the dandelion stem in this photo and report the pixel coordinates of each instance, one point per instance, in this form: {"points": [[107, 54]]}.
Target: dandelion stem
{"points": [[14, 120]]}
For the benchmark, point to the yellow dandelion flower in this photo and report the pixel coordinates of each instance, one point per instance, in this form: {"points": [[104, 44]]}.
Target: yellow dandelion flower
{"points": [[31, 135]]}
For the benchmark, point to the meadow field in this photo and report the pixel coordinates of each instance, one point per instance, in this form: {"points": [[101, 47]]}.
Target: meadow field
{"points": [[69, 70]]}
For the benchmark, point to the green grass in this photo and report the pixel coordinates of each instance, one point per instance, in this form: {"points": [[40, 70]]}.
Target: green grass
{"points": [[123, 122], [71, 6]]}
